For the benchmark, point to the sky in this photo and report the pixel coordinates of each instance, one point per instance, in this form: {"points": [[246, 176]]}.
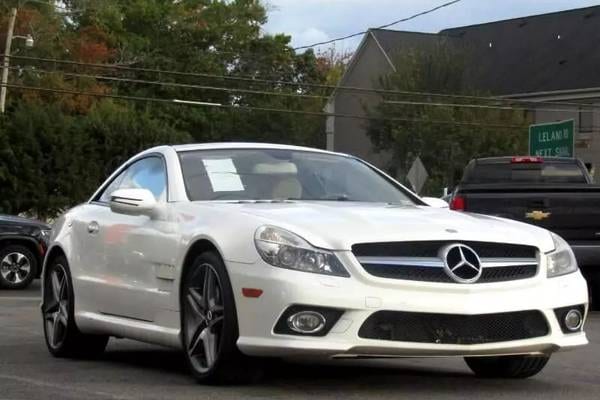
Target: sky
{"points": [[310, 21]]}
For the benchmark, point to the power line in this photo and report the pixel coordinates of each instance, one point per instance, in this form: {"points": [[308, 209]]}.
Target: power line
{"points": [[174, 84], [481, 106], [264, 109], [248, 79], [379, 27], [287, 94]]}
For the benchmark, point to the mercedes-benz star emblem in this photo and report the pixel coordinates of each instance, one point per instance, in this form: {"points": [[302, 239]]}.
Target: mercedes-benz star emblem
{"points": [[461, 263]]}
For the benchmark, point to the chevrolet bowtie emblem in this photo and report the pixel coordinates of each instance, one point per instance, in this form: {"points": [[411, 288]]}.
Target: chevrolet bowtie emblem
{"points": [[537, 215]]}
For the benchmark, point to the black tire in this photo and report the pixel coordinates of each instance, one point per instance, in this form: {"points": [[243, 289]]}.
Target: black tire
{"points": [[65, 340], [513, 367], [24, 262], [228, 365]]}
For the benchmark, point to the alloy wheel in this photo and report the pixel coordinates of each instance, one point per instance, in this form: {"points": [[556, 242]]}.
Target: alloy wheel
{"points": [[56, 312], [15, 267], [203, 317]]}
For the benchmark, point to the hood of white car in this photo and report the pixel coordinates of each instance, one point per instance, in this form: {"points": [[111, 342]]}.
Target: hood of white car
{"points": [[339, 225]]}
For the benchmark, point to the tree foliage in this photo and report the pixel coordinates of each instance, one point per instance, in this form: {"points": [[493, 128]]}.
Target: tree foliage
{"points": [[444, 137], [58, 146]]}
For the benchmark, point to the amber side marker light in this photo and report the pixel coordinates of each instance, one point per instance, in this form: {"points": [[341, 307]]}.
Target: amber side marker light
{"points": [[252, 292]]}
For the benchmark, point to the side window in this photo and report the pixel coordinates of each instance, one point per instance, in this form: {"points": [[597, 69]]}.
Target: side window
{"points": [[148, 173], [114, 185]]}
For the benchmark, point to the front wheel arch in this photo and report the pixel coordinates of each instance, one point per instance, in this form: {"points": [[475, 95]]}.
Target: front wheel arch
{"points": [[52, 254], [200, 246]]}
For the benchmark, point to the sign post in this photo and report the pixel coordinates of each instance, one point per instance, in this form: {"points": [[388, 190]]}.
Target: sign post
{"points": [[417, 175], [554, 139]]}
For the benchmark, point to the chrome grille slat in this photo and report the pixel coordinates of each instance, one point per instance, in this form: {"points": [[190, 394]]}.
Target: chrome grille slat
{"points": [[423, 264], [438, 263]]}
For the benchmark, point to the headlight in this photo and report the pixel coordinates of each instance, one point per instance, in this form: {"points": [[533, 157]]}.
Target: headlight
{"points": [[45, 235], [562, 260], [284, 249]]}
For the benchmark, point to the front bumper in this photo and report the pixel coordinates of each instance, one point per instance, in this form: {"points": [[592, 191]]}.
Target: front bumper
{"points": [[362, 295]]}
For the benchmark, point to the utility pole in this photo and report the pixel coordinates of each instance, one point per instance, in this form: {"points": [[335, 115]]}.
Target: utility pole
{"points": [[6, 63]]}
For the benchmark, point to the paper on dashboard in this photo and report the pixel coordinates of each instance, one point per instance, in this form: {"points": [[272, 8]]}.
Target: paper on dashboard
{"points": [[223, 175]]}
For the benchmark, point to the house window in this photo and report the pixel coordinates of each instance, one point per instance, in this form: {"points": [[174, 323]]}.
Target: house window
{"points": [[586, 120]]}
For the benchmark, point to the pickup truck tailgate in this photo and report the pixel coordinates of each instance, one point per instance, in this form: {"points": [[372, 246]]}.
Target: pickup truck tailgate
{"points": [[572, 211]]}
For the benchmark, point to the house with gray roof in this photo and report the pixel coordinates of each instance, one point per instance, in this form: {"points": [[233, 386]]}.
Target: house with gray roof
{"points": [[551, 57]]}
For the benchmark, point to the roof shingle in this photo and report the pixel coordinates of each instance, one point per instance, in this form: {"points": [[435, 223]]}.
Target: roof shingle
{"points": [[549, 52]]}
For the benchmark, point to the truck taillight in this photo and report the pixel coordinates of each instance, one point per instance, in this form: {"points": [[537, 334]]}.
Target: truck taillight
{"points": [[458, 203], [527, 160]]}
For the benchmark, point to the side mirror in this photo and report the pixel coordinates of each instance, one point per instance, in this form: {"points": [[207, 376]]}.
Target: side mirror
{"points": [[435, 202], [133, 202]]}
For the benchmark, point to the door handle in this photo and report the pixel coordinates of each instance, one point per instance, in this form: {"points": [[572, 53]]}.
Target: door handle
{"points": [[93, 228]]}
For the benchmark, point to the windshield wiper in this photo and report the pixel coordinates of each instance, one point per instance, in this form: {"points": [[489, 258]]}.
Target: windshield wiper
{"points": [[330, 198]]}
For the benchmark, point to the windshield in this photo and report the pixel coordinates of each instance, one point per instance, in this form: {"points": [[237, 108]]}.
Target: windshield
{"points": [[269, 174], [526, 173]]}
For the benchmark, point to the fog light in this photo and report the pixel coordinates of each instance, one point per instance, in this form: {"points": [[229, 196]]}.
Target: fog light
{"points": [[306, 322], [573, 320]]}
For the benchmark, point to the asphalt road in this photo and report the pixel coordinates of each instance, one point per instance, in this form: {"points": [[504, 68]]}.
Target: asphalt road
{"points": [[131, 370]]}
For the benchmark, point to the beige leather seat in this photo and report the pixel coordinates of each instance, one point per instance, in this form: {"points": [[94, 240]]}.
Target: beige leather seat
{"points": [[283, 175]]}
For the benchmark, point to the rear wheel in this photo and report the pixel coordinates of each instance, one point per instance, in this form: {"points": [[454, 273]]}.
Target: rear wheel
{"points": [[209, 325], [62, 336], [515, 367], [18, 267]]}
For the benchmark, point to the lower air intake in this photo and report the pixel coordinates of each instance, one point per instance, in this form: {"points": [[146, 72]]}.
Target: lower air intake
{"points": [[454, 328]]}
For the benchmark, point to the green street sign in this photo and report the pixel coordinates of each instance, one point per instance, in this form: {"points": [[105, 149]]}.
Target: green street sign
{"points": [[554, 139]]}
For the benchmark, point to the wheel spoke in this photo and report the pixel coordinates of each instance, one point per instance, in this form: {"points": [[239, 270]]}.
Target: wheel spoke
{"points": [[55, 285], [56, 326], [208, 287], [217, 309], [62, 294], [215, 321], [21, 259], [52, 308], [17, 277], [25, 268], [196, 302], [195, 339], [63, 310], [209, 341]]}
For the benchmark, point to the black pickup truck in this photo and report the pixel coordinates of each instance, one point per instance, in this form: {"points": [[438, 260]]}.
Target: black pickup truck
{"points": [[554, 193]]}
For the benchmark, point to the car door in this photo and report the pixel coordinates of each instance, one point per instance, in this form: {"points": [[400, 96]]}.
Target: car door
{"points": [[88, 261], [139, 250]]}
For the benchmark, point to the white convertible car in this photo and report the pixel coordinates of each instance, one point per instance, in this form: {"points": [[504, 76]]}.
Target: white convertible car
{"points": [[237, 252]]}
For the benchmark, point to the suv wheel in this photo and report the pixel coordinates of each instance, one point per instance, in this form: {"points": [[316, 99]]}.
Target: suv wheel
{"points": [[62, 336], [516, 367], [18, 267], [209, 325]]}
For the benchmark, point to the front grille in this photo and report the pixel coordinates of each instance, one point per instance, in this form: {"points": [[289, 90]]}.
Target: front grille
{"points": [[454, 328], [421, 261], [431, 274], [431, 249]]}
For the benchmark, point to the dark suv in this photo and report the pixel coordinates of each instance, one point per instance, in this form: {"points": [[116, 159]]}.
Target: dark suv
{"points": [[23, 243]]}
